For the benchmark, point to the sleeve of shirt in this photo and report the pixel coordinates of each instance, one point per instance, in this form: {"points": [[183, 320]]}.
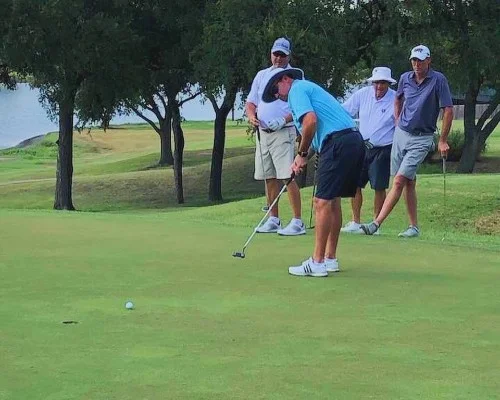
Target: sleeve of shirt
{"points": [[400, 92], [351, 105], [444, 93], [253, 96], [299, 103]]}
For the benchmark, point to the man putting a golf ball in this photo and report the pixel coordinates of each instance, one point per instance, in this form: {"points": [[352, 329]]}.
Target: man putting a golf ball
{"points": [[324, 124]]}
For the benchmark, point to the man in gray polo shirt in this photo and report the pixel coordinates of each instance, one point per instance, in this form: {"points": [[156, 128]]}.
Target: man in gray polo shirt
{"points": [[420, 96]]}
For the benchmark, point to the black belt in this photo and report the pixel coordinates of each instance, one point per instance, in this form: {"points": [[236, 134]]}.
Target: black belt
{"points": [[340, 133], [419, 133], [267, 130]]}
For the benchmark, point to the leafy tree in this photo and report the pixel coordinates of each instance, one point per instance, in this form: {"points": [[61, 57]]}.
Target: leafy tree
{"points": [[5, 77], [69, 46], [468, 43], [463, 37], [231, 51]]}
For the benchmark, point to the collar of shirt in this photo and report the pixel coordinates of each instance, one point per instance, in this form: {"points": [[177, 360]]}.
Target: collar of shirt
{"points": [[383, 98], [429, 75]]}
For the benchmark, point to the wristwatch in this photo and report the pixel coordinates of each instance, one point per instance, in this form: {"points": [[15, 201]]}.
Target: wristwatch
{"points": [[303, 153]]}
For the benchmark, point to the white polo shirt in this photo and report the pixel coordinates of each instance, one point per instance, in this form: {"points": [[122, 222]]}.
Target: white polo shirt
{"points": [[376, 117], [266, 111]]}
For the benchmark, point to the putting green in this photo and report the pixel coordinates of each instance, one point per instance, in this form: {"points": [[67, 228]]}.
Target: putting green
{"points": [[404, 319]]}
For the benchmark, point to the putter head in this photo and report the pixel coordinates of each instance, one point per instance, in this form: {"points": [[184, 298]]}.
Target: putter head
{"points": [[239, 254]]}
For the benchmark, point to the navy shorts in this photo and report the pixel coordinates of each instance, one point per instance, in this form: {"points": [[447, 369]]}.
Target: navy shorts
{"points": [[340, 164], [376, 168]]}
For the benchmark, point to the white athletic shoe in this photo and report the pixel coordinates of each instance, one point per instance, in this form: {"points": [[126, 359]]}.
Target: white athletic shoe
{"points": [[352, 227], [332, 265], [270, 226], [411, 232], [309, 268], [294, 228]]}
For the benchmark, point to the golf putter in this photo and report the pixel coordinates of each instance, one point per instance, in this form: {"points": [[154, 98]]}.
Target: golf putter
{"points": [[257, 132], [443, 157], [241, 254]]}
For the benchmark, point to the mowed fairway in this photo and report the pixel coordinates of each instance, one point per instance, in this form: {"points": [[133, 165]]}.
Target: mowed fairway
{"points": [[404, 319]]}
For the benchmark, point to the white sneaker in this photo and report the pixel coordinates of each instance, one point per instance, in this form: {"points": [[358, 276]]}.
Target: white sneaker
{"points": [[294, 228], [352, 227], [309, 268], [270, 226], [411, 232], [332, 265]]}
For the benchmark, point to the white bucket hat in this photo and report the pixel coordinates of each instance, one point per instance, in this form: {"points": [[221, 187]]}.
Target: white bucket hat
{"points": [[381, 74]]}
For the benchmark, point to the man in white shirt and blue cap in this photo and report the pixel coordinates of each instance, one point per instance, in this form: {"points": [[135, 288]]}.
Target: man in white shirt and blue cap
{"points": [[374, 106], [275, 148]]}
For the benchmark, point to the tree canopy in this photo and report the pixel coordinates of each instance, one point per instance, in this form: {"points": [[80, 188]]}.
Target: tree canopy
{"points": [[92, 58]]}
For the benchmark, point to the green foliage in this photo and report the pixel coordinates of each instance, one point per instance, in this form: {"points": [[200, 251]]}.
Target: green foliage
{"points": [[456, 141]]}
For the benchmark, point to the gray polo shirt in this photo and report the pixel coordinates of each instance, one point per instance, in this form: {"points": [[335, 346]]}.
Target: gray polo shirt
{"points": [[422, 102]]}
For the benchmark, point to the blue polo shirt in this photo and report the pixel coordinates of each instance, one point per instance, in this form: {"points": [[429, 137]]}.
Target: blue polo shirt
{"points": [[422, 102], [306, 96]]}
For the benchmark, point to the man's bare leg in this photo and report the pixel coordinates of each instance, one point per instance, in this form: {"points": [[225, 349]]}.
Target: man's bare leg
{"points": [[410, 194], [333, 237], [273, 190], [324, 222], [356, 203], [392, 198], [294, 197], [378, 202]]}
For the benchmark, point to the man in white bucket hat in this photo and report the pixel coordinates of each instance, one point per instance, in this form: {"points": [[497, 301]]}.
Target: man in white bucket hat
{"points": [[374, 106]]}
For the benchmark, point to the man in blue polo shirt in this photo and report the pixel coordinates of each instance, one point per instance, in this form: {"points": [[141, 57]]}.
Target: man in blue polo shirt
{"points": [[375, 106], [324, 124], [420, 96]]}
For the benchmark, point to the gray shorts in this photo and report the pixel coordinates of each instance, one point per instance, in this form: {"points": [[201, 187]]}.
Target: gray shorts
{"points": [[408, 152], [278, 153]]}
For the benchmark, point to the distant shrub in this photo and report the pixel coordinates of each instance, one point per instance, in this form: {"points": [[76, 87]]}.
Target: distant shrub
{"points": [[456, 141]]}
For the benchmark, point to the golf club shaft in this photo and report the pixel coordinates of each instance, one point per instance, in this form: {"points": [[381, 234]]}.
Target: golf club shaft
{"points": [[292, 177], [444, 191], [444, 182], [257, 131]]}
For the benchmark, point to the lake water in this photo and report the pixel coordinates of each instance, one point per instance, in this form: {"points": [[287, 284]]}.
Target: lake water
{"points": [[22, 116]]}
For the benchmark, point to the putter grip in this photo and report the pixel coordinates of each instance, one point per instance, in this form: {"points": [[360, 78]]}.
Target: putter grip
{"points": [[257, 132], [292, 177]]}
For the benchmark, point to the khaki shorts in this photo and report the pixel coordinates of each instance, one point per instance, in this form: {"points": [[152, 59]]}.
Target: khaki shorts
{"points": [[408, 152], [278, 153]]}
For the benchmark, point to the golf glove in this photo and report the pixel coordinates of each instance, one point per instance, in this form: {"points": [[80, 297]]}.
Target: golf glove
{"points": [[276, 124]]}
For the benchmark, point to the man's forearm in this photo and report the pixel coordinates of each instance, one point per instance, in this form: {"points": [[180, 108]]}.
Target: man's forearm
{"points": [[446, 125], [308, 131], [398, 106], [251, 110]]}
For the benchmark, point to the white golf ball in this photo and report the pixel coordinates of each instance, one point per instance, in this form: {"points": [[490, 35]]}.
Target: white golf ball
{"points": [[129, 305]]}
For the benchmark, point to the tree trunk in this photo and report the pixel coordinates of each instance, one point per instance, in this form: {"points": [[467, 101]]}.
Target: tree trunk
{"points": [[179, 150], [470, 151], [64, 173], [166, 156], [215, 187]]}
